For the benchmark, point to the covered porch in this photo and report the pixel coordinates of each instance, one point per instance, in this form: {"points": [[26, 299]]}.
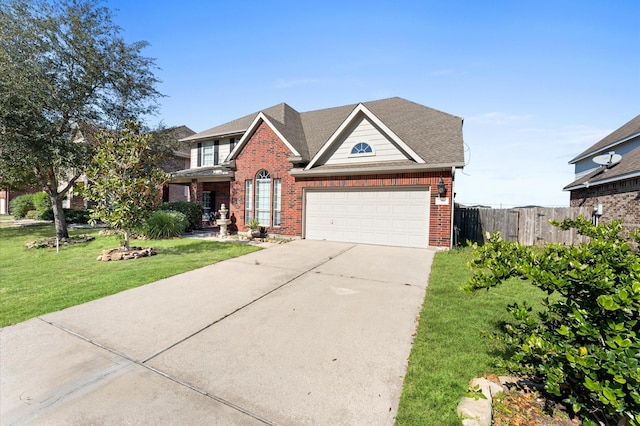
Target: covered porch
{"points": [[209, 186]]}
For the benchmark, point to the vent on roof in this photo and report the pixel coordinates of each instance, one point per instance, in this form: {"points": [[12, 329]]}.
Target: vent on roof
{"points": [[607, 160]]}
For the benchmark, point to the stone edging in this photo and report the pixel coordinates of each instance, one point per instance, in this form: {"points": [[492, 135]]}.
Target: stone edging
{"points": [[478, 412]]}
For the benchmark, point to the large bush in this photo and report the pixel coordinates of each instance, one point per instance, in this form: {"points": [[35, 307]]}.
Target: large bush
{"points": [[164, 224], [193, 212], [41, 203], [584, 344], [21, 205], [70, 215]]}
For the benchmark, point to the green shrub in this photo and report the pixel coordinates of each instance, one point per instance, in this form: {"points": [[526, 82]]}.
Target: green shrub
{"points": [[165, 224], [70, 215], [75, 216], [21, 205], [32, 214], [41, 203], [584, 344], [193, 212]]}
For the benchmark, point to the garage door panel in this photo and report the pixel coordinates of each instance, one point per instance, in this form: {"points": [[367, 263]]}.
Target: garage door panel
{"points": [[382, 216]]}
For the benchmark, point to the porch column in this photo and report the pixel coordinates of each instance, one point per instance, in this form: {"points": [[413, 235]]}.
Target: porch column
{"points": [[194, 191]]}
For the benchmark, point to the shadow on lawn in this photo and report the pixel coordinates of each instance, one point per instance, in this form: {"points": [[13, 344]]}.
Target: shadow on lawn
{"points": [[37, 231], [194, 248]]}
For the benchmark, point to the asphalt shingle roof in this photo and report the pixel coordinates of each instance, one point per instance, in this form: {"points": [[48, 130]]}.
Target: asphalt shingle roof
{"points": [[630, 128], [630, 163], [434, 135]]}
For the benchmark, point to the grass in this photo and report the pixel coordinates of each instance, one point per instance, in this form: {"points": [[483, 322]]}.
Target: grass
{"points": [[38, 281], [448, 349]]}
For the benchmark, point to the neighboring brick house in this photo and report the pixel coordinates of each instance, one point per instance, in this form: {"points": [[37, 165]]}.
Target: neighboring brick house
{"points": [[6, 195], [368, 172], [610, 185], [178, 161]]}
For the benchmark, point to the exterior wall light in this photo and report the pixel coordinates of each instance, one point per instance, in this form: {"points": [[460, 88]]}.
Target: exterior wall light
{"points": [[442, 189]]}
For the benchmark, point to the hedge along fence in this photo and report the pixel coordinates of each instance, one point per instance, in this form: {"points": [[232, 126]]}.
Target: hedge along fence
{"points": [[527, 226]]}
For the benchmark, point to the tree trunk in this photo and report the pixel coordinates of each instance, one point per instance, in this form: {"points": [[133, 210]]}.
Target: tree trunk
{"points": [[126, 240], [58, 216]]}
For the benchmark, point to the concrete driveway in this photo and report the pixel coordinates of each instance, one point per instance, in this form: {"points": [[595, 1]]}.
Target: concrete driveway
{"points": [[308, 332]]}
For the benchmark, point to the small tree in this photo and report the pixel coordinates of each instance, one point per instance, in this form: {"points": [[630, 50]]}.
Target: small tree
{"points": [[584, 344], [124, 179]]}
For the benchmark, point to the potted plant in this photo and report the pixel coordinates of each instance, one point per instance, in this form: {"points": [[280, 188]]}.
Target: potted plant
{"points": [[254, 228]]}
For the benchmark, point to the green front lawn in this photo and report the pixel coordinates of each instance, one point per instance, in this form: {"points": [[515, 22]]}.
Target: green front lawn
{"points": [[448, 350], [38, 281]]}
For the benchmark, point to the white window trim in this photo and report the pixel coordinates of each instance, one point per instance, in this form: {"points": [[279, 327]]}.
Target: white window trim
{"points": [[361, 154]]}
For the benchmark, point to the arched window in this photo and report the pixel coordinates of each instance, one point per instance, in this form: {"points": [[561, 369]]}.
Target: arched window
{"points": [[263, 198], [361, 148]]}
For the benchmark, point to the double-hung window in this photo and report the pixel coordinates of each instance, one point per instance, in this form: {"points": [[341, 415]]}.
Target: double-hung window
{"points": [[207, 154], [277, 196], [248, 200]]}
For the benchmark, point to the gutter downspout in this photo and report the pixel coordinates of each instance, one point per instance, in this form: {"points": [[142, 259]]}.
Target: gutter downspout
{"points": [[453, 204]]}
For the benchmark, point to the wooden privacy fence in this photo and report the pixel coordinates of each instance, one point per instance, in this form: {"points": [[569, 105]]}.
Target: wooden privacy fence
{"points": [[527, 226]]}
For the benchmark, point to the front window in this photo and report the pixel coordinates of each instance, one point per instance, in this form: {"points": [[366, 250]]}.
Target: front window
{"points": [[207, 154], [248, 197], [206, 205], [263, 197], [277, 195]]}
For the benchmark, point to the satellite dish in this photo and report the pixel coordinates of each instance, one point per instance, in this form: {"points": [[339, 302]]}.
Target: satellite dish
{"points": [[607, 159]]}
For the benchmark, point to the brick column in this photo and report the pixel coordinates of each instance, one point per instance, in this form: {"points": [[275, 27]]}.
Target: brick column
{"points": [[194, 191]]}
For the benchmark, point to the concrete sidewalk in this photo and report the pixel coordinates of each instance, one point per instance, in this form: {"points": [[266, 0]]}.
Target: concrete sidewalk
{"points": [[307, 332]]}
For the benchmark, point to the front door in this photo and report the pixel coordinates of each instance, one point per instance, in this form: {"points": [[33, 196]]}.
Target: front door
{"points": [[206, 206]]}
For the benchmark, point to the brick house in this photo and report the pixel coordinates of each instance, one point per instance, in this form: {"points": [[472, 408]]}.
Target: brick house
{"points": [[607, 176], [6, 195], [379, 172], [177, 161]]}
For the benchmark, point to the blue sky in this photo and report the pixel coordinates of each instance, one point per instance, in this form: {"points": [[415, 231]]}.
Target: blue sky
{"points": [[536, 82]]}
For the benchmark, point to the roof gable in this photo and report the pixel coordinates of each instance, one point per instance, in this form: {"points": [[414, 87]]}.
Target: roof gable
{"points": [[363, 134], [359, 113], [273, 124]]}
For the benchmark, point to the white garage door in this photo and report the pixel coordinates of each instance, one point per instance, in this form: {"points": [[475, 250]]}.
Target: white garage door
{"points": [[379, 216]]}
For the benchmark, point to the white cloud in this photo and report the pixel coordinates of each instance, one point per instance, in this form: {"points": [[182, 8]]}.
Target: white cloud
{"points": [[498, 118], [580, 137]]}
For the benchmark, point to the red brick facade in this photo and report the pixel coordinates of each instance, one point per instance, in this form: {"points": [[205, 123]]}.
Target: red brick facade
{"points": [[265, 151], [620, 200]]}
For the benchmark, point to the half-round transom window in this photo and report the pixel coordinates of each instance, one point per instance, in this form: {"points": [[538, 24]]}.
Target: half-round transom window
{"points": [[362, 148], [263, 174]]}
